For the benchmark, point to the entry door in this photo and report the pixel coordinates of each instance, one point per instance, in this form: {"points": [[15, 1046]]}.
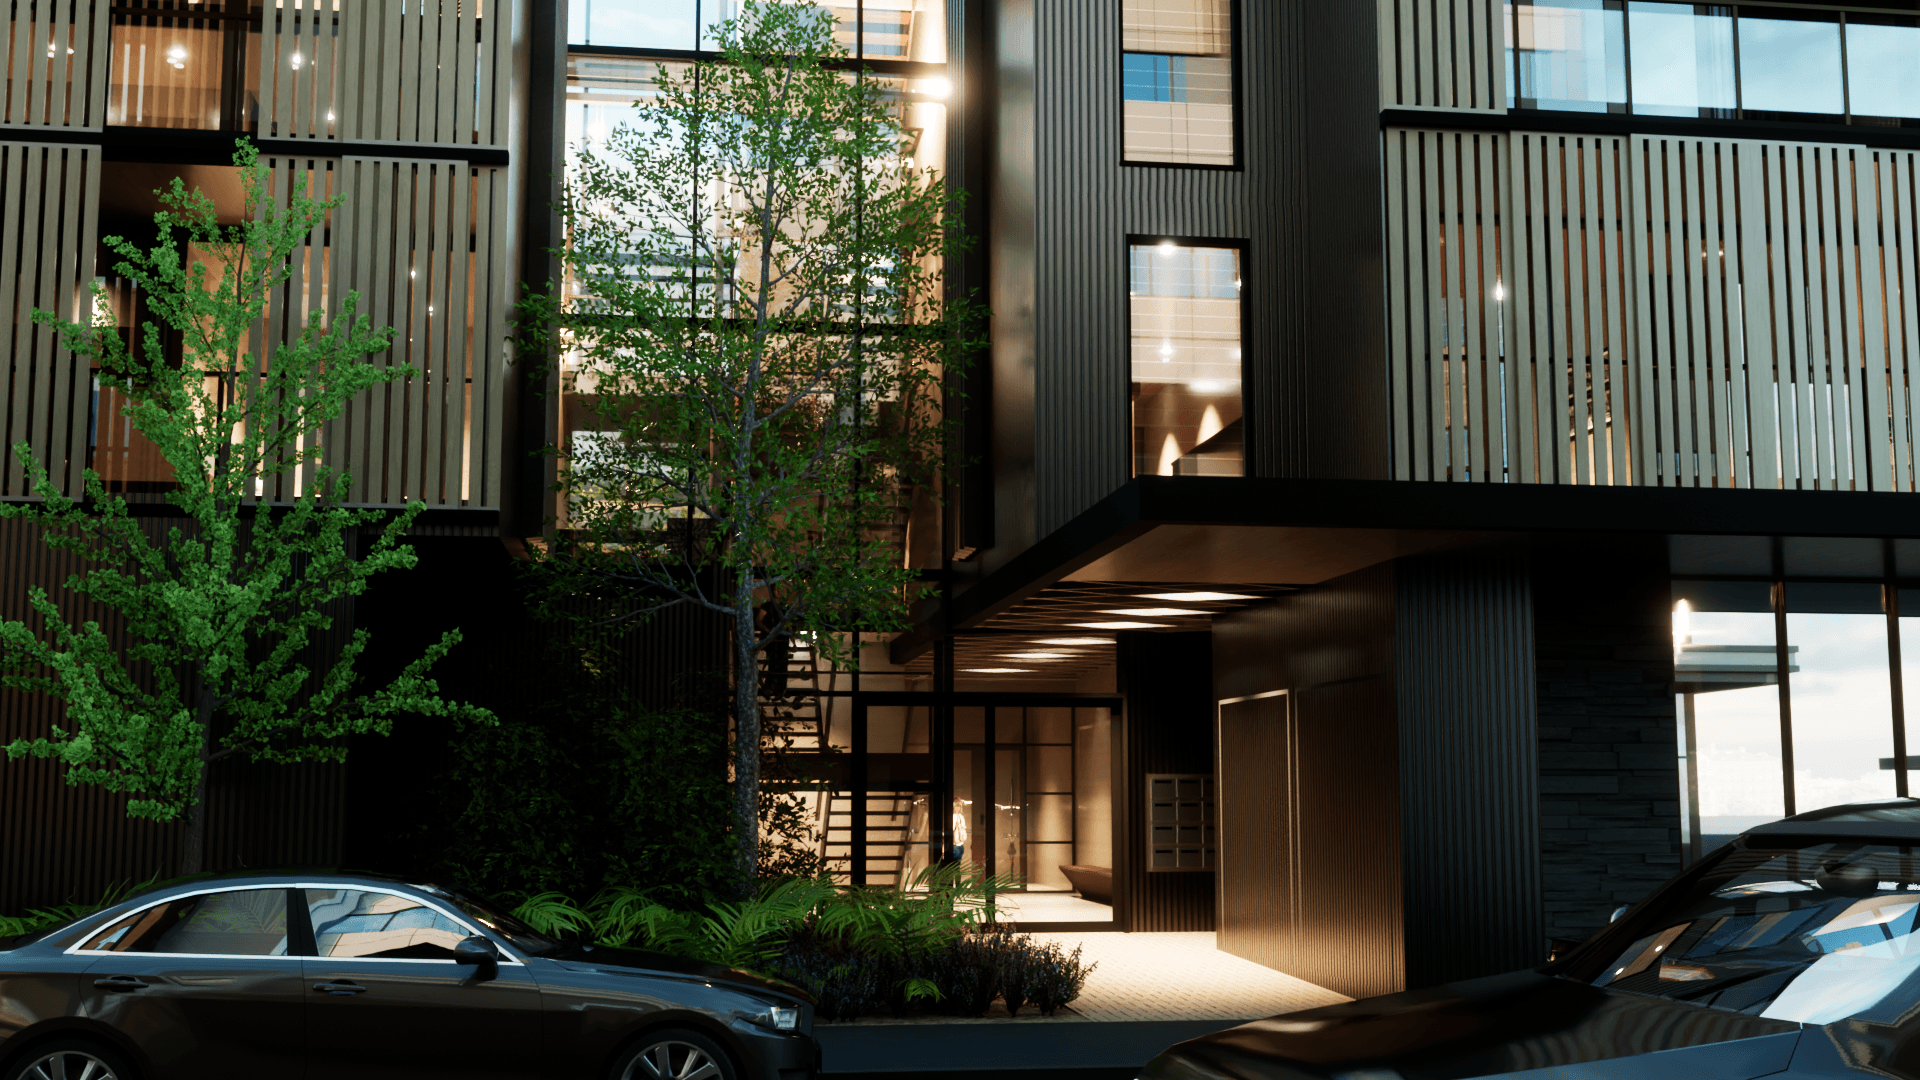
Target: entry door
{"points": [[387, 1002], [1257, 793], [204, 984]]}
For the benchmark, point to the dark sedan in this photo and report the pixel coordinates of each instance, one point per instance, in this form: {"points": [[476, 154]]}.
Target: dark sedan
{"points": [[1792, 953], [332, 974]]}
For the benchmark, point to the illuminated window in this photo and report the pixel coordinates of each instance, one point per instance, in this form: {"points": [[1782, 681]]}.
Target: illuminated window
{"points": [[1177, 81], [1184, 303]]}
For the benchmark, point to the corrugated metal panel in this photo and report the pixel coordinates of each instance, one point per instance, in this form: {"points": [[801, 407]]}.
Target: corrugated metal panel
{"points": [[63, 842], [48, 220], [1443, 54], [1166, 728], [56, 64], [1469, 771]]}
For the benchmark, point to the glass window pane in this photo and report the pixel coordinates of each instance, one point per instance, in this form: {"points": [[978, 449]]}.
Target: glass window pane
{"points": [[352, 922], [1185, 307], [1726, 673], [1570, 55], [166, 73], [1682, 61], [1790, 65], [248, 922], [1177, 81], [1883, 67], [639, 24], [1842, 696]]}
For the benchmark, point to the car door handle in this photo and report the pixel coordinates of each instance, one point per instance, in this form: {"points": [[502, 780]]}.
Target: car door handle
{"points": [[120, 982], [340, 988]]}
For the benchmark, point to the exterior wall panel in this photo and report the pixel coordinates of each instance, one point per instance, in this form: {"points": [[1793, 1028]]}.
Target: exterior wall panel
{"points": [[1443, 54], [50, 86]]}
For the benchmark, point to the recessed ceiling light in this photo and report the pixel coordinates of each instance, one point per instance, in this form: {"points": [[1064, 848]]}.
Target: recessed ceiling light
{"points": [[1040, 656], [1158, 612], [1073, 641], [996, 671], [1195, 597], [1119, 625]]}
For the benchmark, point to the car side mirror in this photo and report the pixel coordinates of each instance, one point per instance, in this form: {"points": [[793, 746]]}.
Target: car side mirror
{"points": [[481, 953]]}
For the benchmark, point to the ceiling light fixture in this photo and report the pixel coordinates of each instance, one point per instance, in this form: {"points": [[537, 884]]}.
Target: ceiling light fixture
{"points": [[1195, 597], [936, 88], [1040, 656], [1073, 641], [1119, 625], [1156, 612], [1168, 249], [1207, 386], [997, 671]]}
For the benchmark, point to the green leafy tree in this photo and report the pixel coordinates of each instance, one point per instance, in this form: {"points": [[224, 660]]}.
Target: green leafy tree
{"points": [[755, 322], [219, 653]]}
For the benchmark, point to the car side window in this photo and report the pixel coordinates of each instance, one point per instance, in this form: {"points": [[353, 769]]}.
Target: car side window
{"points": [[364, 923], [241, 922]]}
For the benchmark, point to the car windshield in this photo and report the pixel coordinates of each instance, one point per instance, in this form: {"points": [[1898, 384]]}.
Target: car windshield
{"points": [[1811, 933], [495, 918]]}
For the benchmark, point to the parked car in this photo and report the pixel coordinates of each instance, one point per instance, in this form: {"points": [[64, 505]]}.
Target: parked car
{"points": [[1791, 953], [333, 974]]}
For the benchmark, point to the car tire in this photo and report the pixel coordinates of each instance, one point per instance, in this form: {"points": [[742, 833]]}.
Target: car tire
{"points": [[71, 1059], [674, 1054]]}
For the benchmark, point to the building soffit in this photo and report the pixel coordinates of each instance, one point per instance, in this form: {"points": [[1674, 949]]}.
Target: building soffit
{"points": [[1267, 536]]}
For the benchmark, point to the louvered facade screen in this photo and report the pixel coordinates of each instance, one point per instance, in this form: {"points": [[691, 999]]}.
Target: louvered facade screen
{"points": [[1652, 310], [1443, 54], [56, 74], [388, 71]]}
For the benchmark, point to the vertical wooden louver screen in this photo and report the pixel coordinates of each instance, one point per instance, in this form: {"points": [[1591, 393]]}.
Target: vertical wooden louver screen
{"points": [[385, 70], [1446, 253], [57, 64], [1672, 311], [309, 290], [1443, 54], [47, 234], [1569, 296], [423, 243]]}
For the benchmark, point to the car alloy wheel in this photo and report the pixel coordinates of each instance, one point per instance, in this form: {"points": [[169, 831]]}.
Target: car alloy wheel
{"points": [[69, 1063], [676, 1055]]}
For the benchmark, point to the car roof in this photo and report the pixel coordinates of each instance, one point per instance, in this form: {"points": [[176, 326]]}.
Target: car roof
{"points": [[1882, 819]]}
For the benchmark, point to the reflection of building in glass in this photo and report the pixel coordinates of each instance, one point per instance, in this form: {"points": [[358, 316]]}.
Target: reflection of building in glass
{"points": [[349, 922]]}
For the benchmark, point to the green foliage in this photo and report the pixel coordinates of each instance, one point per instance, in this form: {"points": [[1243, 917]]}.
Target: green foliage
{"points": [[42, 918], [221, 616], [755, 323], [577, 788]]}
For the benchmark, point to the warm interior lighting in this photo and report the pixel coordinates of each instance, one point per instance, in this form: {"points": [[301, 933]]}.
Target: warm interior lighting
{"points": [[997, 671], [1119, 625], [1040, 656], [1158, 612], [1208, 386], [1168, 249], [1071, 641], [1210, 424], [177, 56], [1169, 455], [1682, 623], [1499, 291], [1194, 597], [936, 88], [296, 60]]}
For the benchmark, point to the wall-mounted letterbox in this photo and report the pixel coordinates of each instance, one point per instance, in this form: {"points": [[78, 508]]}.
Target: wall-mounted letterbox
{"points": [[1180, 822]]}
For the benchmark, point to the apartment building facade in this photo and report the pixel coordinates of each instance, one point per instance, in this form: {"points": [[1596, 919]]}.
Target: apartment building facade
{"points": [[1439, 463]]}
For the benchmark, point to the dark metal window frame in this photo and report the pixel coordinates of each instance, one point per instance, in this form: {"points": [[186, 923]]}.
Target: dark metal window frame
{"points": [[1235, 93], [1247, 422]]}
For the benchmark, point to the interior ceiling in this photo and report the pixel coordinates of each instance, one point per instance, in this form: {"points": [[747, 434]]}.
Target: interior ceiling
{"points": [[130, 186], [1056, 633]]}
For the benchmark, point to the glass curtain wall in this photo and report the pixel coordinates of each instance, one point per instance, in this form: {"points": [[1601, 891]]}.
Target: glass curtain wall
{"points": [[1184, 305], [1787, 700], [876, 29], [1176, 70], [1716, 61], [183, 64]]}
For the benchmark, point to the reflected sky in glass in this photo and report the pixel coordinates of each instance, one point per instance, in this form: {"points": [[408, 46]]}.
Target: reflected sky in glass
{"points": [[1790, 66], [1883, 70], [1842, 707], [1682, 62], [1736, 731], [638, 24], [1570, 55]]}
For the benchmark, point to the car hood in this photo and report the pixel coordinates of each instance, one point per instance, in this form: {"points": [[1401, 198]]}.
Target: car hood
{"points": [[1484, 1027], [581, 956]]}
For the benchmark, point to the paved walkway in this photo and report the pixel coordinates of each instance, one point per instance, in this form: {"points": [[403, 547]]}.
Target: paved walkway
{"points": [[1181, 977]]}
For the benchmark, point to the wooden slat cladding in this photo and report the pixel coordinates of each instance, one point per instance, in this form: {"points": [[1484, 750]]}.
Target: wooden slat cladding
{"points": [[1662, 310], [386, 70], [423, 243], [49, 199], [307, 291], [1443, 54], [56, 69]]}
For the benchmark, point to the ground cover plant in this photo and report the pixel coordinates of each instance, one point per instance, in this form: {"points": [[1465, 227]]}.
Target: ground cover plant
{"points": [[931, 946], [38, 919]]}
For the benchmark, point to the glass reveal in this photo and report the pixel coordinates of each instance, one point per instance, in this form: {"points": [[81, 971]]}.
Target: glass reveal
{"points": [[1184, 303], [1177, 81], [1570, 55]]}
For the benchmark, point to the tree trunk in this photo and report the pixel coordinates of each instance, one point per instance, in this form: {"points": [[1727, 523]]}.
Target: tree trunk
{"points": [[193, 850], [746, 741]]}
